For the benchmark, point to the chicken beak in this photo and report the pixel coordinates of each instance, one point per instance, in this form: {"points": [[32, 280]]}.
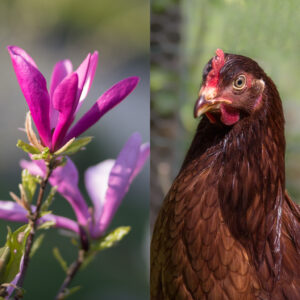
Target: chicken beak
{"points": [[204, 105]]}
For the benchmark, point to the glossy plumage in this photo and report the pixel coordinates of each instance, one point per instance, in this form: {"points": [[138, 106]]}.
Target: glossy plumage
{"points": [[227, 228]]}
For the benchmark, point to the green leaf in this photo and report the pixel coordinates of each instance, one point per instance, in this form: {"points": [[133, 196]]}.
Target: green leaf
{"points": [[49, 199], [60, 259], [67, 233], [111, 238], [27, 148], [36, 244], [74, 242], [37, 156], [45, 155], [73, 146], [4, 258], [88, 259], [107, 241], [29, 183], [44, 213], [46, 225], [71, 291], [16, 242], [65, 147]]}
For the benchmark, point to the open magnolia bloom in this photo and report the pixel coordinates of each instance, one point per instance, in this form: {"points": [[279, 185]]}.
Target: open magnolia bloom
{"points": [[53, 112], [107, 183]]}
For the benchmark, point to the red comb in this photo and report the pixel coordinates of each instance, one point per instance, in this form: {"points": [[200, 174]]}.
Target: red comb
{"points": [[217, 63]]}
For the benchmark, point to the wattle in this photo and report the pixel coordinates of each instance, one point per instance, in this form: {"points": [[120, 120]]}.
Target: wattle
{"points": [[229, 115]]}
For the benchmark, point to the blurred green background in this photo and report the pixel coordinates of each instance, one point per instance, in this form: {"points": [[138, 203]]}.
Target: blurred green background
{"points": [[50, 31], [185, 35]]}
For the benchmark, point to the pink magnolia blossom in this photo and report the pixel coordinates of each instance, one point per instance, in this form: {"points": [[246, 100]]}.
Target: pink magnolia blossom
{"points": [[53, 112], [107, 183]]}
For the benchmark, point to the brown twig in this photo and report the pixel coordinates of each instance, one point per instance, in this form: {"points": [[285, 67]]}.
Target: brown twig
{"points": [[75, 266], [70, 274], [33, 221]]}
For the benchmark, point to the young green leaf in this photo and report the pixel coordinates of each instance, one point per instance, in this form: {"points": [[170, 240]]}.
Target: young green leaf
{"points": [[29, 183], [16, 242], [88, 259], [49, 199], [73, 146], [71, 291], [45, 155], [65, 147], [44, 213], [111, 238], [60, 259], [27, 148], [46, 225], [36, 244], [4, 257], [74, 242]]}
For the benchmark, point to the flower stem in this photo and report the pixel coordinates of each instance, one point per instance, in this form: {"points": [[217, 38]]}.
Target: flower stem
{"points": [[33, 221], [75, 266]]}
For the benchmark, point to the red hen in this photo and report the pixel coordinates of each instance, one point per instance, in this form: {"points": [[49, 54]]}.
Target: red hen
{"points": [[227, 228]]}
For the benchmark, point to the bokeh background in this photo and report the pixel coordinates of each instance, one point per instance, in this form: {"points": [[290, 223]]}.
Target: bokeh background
{"points": [[50, 31], [184, 36]]}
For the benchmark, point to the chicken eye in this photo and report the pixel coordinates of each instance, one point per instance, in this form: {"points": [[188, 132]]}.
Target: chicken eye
{"points": [[240, 82]]}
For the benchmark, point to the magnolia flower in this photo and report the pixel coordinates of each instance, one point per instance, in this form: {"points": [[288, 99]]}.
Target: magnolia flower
{"points": [[53, 112], [106, 183]]}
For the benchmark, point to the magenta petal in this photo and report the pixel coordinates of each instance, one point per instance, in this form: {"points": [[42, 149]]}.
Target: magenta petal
{"points": [[61, 70], [11, 211], [74, 197], [19, 51], [97, 179], [66, 180], [61, 222], [89, 78], [143, 156], [96, 183], [34, 88], [82, 72], [119, 181], [107, 101], [64, 100], [36, 168], [67, 173]]}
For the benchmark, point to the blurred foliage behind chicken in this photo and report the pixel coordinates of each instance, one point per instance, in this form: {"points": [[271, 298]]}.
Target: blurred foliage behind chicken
{"points": [[266, 31]]}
